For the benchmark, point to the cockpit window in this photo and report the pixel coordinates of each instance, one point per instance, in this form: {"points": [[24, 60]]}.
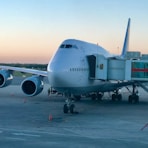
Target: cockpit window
{"points": [[62, 46], [68, 46]]}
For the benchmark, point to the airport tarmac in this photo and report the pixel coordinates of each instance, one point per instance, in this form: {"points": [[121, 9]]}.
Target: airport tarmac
{"points": [[40, 122]]}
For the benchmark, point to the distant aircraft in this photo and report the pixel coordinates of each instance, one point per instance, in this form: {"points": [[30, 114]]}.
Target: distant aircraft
{"points": [[68, 72]]}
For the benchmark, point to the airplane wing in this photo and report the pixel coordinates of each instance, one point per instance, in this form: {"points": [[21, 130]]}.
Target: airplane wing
{"points": [[25, 70], [31, 86]]}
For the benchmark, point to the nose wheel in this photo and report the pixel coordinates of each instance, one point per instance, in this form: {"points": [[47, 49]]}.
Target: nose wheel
{"points": [[69, 106]]}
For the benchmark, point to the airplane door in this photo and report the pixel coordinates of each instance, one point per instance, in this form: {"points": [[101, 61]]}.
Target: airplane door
{"points": [[92, 66]]}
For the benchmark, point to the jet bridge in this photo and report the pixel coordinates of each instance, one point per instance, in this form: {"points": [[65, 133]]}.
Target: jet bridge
{"points": [[133, 67]]}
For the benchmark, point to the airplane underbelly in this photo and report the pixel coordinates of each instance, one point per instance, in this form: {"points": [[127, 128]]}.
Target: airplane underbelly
{"points": [[81, 89], [76, 83]]}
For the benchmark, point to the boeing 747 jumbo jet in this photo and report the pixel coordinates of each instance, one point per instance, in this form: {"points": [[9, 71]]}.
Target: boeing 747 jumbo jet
{"points": [[69, 73]]}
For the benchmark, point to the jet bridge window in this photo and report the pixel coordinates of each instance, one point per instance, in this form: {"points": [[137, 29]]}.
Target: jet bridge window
{"points": [[139, 70]]}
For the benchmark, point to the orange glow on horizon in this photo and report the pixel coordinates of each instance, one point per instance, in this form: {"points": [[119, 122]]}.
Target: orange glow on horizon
{"points": [[28, 50], [31, 31]]}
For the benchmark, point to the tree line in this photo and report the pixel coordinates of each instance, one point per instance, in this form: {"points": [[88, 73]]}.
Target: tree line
{"points": [[32, 66]]}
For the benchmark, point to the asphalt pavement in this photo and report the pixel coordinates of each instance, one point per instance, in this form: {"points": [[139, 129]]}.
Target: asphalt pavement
{"points": [[40, 122]]}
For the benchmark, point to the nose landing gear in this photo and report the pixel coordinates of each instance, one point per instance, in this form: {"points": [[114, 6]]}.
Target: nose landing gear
{"points": [[69, 106]]}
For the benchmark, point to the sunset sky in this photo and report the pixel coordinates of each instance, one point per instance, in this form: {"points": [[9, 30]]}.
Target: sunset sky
{"points": [[32, 30]]}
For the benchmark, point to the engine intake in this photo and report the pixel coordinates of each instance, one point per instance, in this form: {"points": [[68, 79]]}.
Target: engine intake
{"points": [[5, 78], [32, 86]]}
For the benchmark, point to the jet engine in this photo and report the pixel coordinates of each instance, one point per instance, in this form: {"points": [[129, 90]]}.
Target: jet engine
{"points": [[32, 86], [5, 78]]}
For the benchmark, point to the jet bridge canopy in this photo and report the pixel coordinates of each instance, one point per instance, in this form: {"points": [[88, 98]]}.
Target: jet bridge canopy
{"points": [[118, 69]]}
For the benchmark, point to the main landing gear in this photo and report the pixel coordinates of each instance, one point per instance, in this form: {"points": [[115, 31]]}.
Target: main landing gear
{"points": [[134, 98], [97, 96], [69, 106], [116, 96]]}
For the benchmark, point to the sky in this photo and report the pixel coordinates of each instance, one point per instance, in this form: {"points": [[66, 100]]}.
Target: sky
{"points": [[32, 30]]}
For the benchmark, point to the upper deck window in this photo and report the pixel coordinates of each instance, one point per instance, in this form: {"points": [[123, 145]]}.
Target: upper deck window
{"points": [[68, 46]]}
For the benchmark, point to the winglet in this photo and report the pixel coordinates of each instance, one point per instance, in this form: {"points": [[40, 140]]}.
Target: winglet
{"points": [[126, 40]]}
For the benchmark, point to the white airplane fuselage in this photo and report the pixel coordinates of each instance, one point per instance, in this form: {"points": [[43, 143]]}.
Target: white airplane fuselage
{"points": [[68, 70]]}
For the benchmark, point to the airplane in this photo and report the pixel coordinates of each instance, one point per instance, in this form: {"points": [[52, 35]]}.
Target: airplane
{"points": [[68, 73]]}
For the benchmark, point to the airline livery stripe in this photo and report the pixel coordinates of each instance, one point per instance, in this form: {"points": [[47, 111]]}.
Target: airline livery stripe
{"points": [[139, 70]]}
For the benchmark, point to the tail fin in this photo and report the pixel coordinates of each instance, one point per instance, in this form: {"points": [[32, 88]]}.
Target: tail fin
{"points": [[126, 40]]}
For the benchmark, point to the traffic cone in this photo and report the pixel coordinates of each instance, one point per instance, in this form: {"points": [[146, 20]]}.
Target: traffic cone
{"points": [[25, 100], [12, 95], [50, 117]]}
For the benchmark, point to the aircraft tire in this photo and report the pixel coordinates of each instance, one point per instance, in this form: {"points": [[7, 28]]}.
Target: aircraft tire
{"points": [[113, 97], [65, 109], [133, 99], [93, 97], [72, 106], [119, 96], [136, 98], [99, 96]]}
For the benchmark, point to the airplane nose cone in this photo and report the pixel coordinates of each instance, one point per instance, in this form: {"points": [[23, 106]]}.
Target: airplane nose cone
{"points": [[57, 75], [55, 79]]}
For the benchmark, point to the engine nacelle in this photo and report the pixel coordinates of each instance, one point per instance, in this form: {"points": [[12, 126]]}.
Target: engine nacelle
{"points": [[32, 86], [5, 78]]}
